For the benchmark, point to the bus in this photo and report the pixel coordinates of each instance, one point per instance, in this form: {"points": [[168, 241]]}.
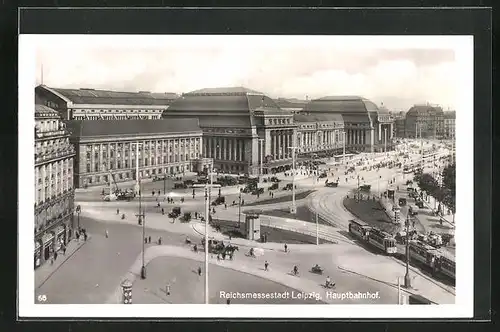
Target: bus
{"points": [[382, 240], [359, 229]]}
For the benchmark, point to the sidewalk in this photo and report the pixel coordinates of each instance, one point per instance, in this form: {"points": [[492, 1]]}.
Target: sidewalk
{"points": [[44, 272]]}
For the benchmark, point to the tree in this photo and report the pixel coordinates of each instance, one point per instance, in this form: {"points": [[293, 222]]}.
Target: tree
{"points": [[449, 177]]}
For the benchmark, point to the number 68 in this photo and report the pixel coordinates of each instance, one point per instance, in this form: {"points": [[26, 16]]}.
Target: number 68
{"points": [[42, 298]]}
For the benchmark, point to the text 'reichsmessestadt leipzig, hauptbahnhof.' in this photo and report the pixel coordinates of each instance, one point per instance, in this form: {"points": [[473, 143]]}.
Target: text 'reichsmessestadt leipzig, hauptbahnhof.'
{"points": [[85, 136]]}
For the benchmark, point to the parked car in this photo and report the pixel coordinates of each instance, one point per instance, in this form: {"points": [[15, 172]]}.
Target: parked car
{"points": [[332, 184], [274, 186], [180, 185], [402, 201], [219, 200], [288, 186], [365, 187]]}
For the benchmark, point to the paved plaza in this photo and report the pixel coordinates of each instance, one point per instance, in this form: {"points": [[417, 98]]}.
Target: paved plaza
{"points": [[92, 272]]}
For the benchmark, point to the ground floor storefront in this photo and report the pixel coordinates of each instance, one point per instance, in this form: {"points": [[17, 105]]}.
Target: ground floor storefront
{"points": [[53, 240]]}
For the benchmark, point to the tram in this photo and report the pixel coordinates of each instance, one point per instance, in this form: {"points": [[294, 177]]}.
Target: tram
{"points": [[423, 253], [359, 229], [382, 240], [446, 265]]}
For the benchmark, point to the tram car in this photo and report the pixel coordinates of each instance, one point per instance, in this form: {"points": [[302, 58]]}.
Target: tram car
{"points": [[423, 253], [359, 229], [446, 265], [382, 240]]}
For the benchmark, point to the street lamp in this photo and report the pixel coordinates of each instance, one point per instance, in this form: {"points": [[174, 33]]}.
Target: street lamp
{"points": [[407, 275], [141, 217], [293, 208], [78, 211], [385, 139], [343, 147], [261, 140], [208, 188]]}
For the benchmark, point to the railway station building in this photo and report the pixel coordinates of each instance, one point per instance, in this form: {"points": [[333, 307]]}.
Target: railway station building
{"points": [[106, 150], [368, 128], [241, 127], [92, 104]]}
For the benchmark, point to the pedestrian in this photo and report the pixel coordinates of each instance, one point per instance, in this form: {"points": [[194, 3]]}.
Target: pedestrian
{"points": [[158, 205], [52, 260], [225, 206], [64, 250], [199, 271], [228, 301], [167, 289], [286, 248], [149, 238], [55, 255], [218, 257], [85, 236], [107, 234], [266, 265], [153, 193], [117, 211], [146, 239], [162, 211], [77, 236], [213, 210]]}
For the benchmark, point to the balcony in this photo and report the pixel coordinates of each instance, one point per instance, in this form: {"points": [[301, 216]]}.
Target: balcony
{"points": [[51, 133], [54, 154]]}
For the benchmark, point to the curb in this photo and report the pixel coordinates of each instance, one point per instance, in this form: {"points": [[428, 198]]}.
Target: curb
{"points": [[381, 281], [64, 261]]}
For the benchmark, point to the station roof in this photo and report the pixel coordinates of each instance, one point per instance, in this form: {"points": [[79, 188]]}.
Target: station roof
{"points": [[108, 97], [291, 103], [135, 127], [354, 109], [317, 117], [235, 99]]}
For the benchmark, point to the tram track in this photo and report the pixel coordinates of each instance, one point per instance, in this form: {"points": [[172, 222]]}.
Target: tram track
{"points": [[326, 211]]}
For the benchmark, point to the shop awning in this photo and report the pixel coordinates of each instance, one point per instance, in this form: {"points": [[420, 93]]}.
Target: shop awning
{"points": [[47, 237]]}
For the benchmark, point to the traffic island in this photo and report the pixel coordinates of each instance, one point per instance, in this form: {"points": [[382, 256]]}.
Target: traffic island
{"points": [[371, 212], [276, 235]]}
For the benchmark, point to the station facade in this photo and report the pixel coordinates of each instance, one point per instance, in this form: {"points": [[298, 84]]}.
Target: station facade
{"points": [[106, 150], [54, 190], [367, 127], [241, 128]]}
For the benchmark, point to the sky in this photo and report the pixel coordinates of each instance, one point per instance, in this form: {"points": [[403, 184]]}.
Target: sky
{"points": [[289, 68]]}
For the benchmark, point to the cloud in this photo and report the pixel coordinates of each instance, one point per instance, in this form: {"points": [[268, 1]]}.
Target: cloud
{"points": [[400, 76]]}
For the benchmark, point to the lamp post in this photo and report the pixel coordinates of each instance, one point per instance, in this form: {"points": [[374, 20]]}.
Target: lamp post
{"points": [[239, 207], [261, 140], [208, 188], [343, 147], [385, 140], [293, 208], [407, 275]]}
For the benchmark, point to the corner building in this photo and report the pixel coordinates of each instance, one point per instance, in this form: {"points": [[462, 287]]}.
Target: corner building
{"points": [[368, 128], [233, 121], [106, 150], [426, 121], [54, 192]]}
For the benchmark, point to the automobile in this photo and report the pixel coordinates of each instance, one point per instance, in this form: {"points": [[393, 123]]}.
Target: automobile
{"points": [[420, 204], [180, 185], [402, 201], [188, 183], [332, 184], [274, 179], [274, 186], [413, 210], [219, 200], [365, 187], [323, 175], [288, 186], [176, 211], [258, 191]]}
